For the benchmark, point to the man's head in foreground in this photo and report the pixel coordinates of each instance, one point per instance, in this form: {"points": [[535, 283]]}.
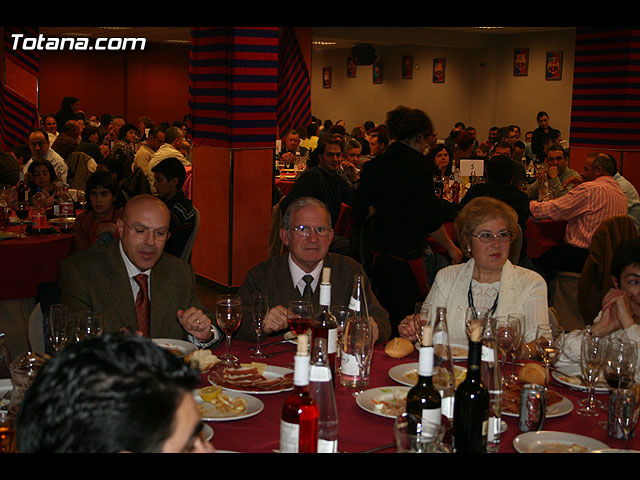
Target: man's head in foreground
{"points": [[115, 393]]}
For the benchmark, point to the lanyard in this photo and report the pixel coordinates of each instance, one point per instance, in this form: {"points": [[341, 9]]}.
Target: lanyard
{"points": [[470, 297]]}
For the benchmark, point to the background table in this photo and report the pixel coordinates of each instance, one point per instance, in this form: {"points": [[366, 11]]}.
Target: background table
{"points": [[360, 430], [542, 235]]}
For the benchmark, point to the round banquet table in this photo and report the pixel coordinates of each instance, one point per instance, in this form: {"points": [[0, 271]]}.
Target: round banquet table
{"points": [[27, 262], [359, 430], [285, 186], [542, 235]]}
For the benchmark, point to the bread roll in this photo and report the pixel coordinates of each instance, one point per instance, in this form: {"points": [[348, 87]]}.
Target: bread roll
{"points": [[202, 360], [532, 373], [398, 347]]}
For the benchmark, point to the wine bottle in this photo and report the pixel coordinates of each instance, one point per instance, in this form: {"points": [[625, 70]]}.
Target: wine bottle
{"points": [[443, 363], [299, 420], [321, 389], [423, 400], [324, 324], [471, 406], [22, 192], [491, 379], [357, 340]]}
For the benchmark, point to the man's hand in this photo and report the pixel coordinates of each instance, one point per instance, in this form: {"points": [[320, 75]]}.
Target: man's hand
{"points": [[195, 322], [277, 319], [572, 181]]}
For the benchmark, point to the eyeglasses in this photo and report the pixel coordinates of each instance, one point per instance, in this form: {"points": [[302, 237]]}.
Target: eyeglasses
{"points": [[305, 230], [139, 231], [487, 237]]}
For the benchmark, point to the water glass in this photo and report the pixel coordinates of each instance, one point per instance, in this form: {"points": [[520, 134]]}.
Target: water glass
{"points": [[229, 316], [89, 324], [592, 350], [260, 309], [58, 326]]}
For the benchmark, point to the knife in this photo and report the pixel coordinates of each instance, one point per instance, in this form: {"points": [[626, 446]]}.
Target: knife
{"points": [[269, 344]]}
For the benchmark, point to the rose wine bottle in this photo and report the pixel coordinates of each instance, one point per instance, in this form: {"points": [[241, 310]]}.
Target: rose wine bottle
{"points": [[299, 420], [324, 324]]}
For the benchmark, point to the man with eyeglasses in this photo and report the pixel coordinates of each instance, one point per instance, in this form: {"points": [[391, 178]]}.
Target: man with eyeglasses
{"points": [[135, 285], [306, 231]]}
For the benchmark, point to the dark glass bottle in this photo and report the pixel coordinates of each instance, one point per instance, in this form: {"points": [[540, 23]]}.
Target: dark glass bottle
{"points": [[324, 324], [423, 400], [471, 407]]}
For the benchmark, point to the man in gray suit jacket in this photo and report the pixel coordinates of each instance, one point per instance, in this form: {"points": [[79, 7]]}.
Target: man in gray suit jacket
{"points": [[281, 277], [102, 279]]}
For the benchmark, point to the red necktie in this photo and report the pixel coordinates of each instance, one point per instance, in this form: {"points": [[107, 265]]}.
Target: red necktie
{"points": [[143, 307]]}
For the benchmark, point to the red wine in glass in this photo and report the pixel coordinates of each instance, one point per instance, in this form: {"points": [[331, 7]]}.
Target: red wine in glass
{"points": [[300, 315]]}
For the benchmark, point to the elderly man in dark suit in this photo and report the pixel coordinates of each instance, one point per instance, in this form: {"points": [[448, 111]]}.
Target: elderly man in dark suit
{"points": [[281, 277], [134, 285]]}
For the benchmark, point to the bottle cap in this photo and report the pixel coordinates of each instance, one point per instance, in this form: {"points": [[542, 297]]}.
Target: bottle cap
{"points": [[303, 345], [427, 336]]}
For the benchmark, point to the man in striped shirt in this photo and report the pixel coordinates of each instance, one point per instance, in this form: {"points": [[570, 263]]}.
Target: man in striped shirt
{"points": [[585, 207]]}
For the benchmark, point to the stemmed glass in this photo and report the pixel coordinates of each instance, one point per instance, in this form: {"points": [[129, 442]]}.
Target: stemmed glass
{"points": [[517, 320], [549, 346], [341, 312], [592, 350], [626, 408], [58, 326], [89, 324], [260, 309], [82, 199], [620, 363], [507, 334], [229, 316], [421, 318], [22, 212], [363, 351], [475, 317], [299, 316]]}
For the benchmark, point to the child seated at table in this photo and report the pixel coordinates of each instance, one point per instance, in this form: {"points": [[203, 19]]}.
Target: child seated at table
{"points": [[105, 204], [620, 307]]}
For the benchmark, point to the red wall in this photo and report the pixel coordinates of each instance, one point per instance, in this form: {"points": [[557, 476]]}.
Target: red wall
{"points": [[154, 82]]}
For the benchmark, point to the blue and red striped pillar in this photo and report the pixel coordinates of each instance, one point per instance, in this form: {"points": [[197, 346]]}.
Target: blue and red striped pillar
{"points": [[235, 114]]}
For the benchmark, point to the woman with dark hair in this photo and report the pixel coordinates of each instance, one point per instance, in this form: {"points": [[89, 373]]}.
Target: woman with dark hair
{"points": [[89, 143], [97, 225], [68, 109], [543, 137], [441, 160], [126, 144], [43, 178], [398, 186]]}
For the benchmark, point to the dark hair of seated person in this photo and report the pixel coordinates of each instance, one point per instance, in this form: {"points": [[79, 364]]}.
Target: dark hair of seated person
{"points": [[626, 253], [108, 394], [500, 169], [106, 180], [171, 168]]}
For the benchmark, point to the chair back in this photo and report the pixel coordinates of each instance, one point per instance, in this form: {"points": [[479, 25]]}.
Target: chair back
{"points": [[186, 253], [78, 170], [516, 247], [595, 280]]}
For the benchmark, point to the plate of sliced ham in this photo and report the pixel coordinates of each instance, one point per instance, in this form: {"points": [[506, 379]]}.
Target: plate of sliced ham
{"points": [[251, 379]]}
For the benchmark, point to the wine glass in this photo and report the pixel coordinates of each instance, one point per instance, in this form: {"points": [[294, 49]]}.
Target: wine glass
{"points": [[421, 318], [260, 309], [549, 346], [518, 322], [229, 316], [299, 316], [592, 350], [89, 324], [507, 331], [341, 312], [620, 363], [22, 212], [363, 351], [626, 409], [475, 318], [82, 199], [58, 326]]}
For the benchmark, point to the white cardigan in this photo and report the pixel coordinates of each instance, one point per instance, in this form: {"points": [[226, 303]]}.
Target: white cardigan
{"points": [[521, 291]]}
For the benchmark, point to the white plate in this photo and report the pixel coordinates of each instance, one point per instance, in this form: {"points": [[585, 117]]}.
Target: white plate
{"points": [[180, 347], [567, 372], [537, 442], [270, 371], [399, 372], [366, 400], [5, 386], [559, 409], [207, 432], [211, 414]]}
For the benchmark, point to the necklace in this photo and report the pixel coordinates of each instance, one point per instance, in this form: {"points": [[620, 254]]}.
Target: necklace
{"points": [[470, 298]]}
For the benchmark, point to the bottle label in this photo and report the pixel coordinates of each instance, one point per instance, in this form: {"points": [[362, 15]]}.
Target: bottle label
{"points": [[446, 406], [354, 304], [488, 354], [289, 437], [319, 373], [327, 446], [431, 418], [440, 338], [332, 340], [66, 209], [349, 365]]}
